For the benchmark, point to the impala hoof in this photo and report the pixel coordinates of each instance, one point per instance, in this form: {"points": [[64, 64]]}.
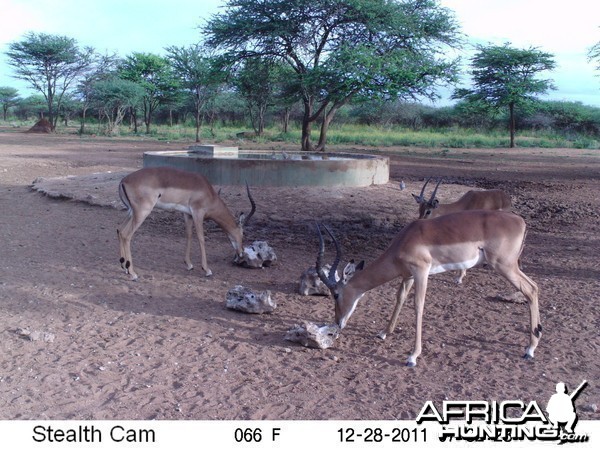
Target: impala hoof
{"points": [[382, 335], [527, 357], [209, 273], [411, 362]]}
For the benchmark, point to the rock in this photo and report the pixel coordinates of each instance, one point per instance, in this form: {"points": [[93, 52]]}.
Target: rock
{"points": [[244, 299], [35, 335], [512, 297], [257, 255], [313, 335], [590, 407]]}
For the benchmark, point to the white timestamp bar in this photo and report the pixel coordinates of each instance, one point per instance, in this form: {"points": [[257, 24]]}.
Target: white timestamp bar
{"points": [[270, 434]]}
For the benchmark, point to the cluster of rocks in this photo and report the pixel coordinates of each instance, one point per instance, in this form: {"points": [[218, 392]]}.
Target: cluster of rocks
{"points": [[240, 298]]}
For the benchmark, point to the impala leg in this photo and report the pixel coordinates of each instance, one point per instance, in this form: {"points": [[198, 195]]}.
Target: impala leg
{"points": [[125, 234], [420, 290], [199, 223], [122, 253], [189, 225], [460, 276], [401, 296], [531, 291]]}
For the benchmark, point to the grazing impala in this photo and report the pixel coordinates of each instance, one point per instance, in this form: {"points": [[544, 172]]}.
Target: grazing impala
{"points": [[176, 190], [425, 247], [493, 199]]}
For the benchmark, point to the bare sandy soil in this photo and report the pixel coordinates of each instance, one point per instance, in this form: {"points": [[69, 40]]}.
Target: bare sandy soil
{"points": [[78, 340]]}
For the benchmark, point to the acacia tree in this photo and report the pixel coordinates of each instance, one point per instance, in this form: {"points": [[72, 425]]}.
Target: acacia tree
{"points": [[341, 49], [154, 74], [103, 67], [198, 73], [594, 54], [113, 97], [34, 105], [49, 63], [256, 82], [8, 97], [504, 76]]}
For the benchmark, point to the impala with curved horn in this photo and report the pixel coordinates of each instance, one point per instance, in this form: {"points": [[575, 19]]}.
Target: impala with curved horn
{"points": [[176, 190], [426, 247], [492, 199]]}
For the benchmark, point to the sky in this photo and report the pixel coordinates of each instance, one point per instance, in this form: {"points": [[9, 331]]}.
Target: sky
{"points": [[567, 30]]}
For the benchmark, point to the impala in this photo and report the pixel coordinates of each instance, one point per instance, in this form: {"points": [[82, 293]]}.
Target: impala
{"points": [[493, 199], [176, 190], [426, 247]]}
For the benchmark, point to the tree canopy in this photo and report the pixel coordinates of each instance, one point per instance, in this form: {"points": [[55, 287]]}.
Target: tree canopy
{"points": [[594, 54], [342, 49], [50, 64], [113, 97], [8, 97], [154, 74], [504, 76], [198, 73]]}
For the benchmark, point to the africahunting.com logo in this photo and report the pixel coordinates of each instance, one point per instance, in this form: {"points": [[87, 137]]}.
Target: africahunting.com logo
{"points": [[510, 420]]}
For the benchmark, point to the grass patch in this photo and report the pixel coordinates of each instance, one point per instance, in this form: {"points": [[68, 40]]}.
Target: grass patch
{"points": [[359, 135]]}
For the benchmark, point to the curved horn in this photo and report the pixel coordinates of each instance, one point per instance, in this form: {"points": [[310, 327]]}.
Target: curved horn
{"points": [[330, 281], [435, 190], [338, 256], [423, 189], [251, 213]]}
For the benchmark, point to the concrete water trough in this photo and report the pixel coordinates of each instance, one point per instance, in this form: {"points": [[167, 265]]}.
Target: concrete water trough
{"points": [[230, 166]]}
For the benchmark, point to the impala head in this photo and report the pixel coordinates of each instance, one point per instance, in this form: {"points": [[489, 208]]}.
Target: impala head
{"points": [[426, 207], [345, 301]]}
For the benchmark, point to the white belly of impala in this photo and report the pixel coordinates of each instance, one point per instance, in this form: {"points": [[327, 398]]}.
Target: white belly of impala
{"points": [[458, 265], [173, 207]]}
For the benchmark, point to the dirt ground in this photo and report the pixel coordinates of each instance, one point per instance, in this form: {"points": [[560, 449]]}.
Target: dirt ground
{"points": [[78, 340]]}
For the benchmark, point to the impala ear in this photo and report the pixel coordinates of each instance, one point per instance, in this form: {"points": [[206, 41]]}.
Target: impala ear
{"points": [[350, 269], [435, 203], [241, 219], [417, 199]]}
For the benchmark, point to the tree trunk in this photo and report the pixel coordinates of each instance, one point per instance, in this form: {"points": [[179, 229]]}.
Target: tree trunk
{"points": [[511, 108], [306, 145], [286, 119], [327, 118], [50, 101], [147, 115], [83, 113], [198, 124], [261, 119]]}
